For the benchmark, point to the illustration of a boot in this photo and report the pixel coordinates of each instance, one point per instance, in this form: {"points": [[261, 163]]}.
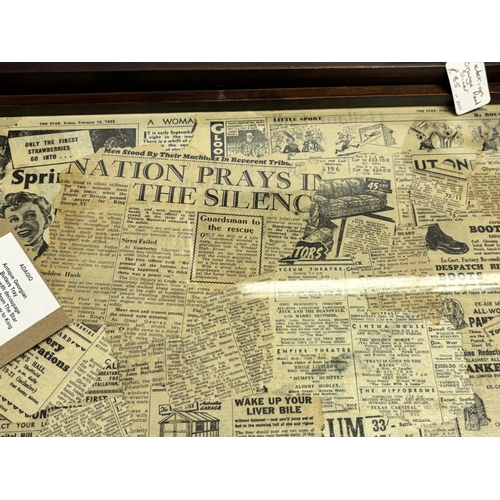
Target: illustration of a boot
{"points": [[437, 240]]}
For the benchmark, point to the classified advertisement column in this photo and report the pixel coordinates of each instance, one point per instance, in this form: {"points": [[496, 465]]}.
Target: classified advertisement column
{"points": [[229, 350], [313, 347]]}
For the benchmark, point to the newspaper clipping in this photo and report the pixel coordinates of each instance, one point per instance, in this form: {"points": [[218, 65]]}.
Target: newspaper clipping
{"points": [[328, 273]]}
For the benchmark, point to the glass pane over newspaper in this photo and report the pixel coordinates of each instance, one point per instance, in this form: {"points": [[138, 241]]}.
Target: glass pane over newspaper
{"points": [[304, 273]]}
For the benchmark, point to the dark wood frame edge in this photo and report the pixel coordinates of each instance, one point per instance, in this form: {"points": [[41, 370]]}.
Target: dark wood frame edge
{"points": [[94, 88]]}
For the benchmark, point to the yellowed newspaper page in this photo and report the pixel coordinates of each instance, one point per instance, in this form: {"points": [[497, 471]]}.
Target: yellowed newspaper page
{"points": [[341, 261]]}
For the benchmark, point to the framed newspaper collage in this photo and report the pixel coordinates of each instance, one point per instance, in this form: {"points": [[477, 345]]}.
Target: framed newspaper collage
{"points": [[315, 260]]}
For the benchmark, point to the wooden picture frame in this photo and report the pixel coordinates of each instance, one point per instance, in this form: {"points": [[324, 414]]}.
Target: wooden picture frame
{"points": [[90, 88]]}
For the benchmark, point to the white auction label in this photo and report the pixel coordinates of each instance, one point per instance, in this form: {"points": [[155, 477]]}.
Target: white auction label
{"points": [[469, 85], [25, 299]]}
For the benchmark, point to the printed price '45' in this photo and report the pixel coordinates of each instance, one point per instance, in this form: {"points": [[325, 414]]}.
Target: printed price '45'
{"points": [[378, 185]]}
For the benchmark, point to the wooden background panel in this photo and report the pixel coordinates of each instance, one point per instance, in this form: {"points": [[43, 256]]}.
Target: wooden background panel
{"points": [[88, 88]]}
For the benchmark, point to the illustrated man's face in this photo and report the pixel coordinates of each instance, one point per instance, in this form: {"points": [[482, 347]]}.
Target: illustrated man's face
{"points": [[485, 134], [420, 136], [28, 222], [443, 129], [249, 136]]}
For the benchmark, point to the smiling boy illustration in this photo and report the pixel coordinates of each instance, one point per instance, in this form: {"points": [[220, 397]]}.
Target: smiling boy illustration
{"points": [[29, 215]]}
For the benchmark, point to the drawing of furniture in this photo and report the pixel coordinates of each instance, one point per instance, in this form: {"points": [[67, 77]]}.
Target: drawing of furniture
{"points": [[340, 199]]}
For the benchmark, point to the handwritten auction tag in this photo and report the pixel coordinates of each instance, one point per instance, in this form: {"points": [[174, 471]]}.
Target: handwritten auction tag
{"points": [[29, 312], [469, 85]]}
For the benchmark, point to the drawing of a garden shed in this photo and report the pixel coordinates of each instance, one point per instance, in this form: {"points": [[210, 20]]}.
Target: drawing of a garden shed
{"points": [[189, 424]]}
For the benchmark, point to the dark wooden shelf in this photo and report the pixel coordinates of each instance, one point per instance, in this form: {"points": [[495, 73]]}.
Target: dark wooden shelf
{"points": [[92, 88]]}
